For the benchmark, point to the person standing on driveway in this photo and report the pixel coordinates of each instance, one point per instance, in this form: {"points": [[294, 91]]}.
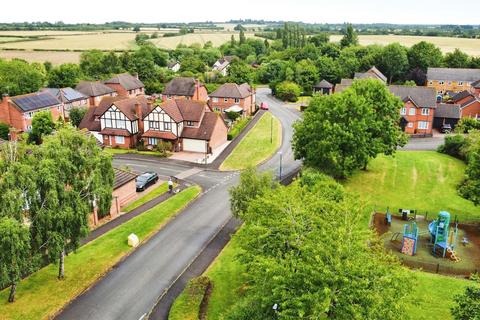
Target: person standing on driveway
{"points": [[170, 185]]}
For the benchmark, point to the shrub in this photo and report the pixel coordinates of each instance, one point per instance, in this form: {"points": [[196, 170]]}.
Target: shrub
{"points": [[211, 87], [288, 91], [4, 130], [232, 115], [237, 128], [453, 146], [163, 147], [465, 125]]}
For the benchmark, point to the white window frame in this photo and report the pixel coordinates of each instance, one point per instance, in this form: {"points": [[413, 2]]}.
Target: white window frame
{"points": [[410, 124], [403, 111], [460, 83], [152, 141], [225, 99], [425, 112], [167, 126], [423, 125], [119, 139], [215, 99], [410, 113], [237, 100]]}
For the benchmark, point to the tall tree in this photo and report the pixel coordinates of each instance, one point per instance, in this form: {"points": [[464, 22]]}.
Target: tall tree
{"points": [[74, 175], [243, 39], [457, 59], [306, 75], [65, 75], [341, 133], [76, 115], [42, 125], [350, 37], [394, 61], [14, 253], [424, 55], [20, 77]]}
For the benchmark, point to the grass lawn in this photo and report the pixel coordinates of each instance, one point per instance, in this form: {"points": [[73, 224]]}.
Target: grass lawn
{"points": [[226, 275], [114, 151], [41, 295], [158, 191], [421, 180], [255, 147]]}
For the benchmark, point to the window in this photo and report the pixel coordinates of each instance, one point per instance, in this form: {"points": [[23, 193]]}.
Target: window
{"points": [[155, 125], [430, 82], [215, 99], [441, 82], [167, 126], [152, 141], [460, 83], [119, 139], [216, 109], [425, 111], [189, 123], [115, 119], [410, 124], [403, 111], [237, 100], [169, 97], [29, 128], [423, 125], [411, 112], [225, 99], [58, 107]]}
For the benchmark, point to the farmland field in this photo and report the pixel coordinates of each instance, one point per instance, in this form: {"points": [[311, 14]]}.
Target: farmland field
{"points": [[447, 44], [55, 57], [217, 38]]}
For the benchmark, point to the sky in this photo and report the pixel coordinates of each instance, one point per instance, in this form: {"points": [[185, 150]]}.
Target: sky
{"points": [[320, 11]]}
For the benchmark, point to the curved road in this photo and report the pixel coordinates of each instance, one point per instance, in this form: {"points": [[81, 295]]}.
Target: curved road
{"points": [[132, 289]]}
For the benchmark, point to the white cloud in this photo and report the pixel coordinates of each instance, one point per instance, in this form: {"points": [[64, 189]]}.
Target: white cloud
{"points": [[331, 11]]}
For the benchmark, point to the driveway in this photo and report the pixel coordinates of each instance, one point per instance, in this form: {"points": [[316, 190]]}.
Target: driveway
{"points": [[134, 287], [427, 144]]}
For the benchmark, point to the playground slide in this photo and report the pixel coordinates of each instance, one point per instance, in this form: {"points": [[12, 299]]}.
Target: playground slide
{"points": [[431, 228]]}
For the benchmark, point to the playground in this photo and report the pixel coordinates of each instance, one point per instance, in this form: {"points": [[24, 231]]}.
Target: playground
{"points": [[436, 243]]}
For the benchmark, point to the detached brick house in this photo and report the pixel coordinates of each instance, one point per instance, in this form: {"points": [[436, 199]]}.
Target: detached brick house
{"points": [[188, 125], [126, 84], [185, 88], [95, 90], [232, 94], [445, 80], [18, 111], [418, 111], [117, 121], [470, 108], [70, 98]]}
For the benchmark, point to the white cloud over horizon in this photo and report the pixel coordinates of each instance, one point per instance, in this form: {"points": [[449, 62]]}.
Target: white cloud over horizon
{"points": [[319, 11]]}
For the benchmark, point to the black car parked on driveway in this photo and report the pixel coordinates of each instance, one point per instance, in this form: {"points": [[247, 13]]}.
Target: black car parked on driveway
{"points": [[145, 180]]}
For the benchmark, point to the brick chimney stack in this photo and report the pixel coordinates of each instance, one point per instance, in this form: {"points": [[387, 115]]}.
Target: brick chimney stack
{"points": [[4, 109], [197, 90], [139, 113]]}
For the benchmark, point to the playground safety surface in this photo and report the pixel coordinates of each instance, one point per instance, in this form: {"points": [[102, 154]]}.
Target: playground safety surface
{"points": [[469, 254]]}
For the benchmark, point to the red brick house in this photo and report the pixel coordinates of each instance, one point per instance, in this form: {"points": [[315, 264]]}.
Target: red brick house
{"points": [[70, 98], [475, 89], [18, 111], [188, 125], [470, 108], [126, 84], [232, 94], [124, 191], [185, 88], [117, 121], [95, 90], [418, 111]]}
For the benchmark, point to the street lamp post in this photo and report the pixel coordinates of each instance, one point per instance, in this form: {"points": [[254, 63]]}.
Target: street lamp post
{"points": [[271, 129], [280, 169]]}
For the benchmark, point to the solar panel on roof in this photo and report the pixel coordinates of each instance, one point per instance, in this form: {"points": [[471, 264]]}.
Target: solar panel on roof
{"points": [[35, 101]]}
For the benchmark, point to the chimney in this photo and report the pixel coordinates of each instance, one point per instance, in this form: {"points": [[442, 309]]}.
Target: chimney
{"points": [[135, 75], [197, 89], [4, 109], [138, 112]]}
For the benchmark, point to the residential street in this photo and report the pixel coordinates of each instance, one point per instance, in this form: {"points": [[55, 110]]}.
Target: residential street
{"points": [[133, 288]]}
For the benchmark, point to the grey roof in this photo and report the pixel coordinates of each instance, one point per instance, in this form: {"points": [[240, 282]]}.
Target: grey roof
{"points": [[423, 97], [126, 80], [35, 101], [172, 64], [461, 95], [469, 102], [476, 84], [446, 110], [180, 86], [324, 84], [372, 73], [233, 90], [93, 88], [122, 177], [66, 94], [453, 74]]}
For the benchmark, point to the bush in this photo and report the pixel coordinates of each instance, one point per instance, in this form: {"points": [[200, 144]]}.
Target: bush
{"points": [[232, 115], [288, 91], [465, 125], [453, 146], [4, 130], [237, 128], [164, 147], [211, 87], [76, 115]]}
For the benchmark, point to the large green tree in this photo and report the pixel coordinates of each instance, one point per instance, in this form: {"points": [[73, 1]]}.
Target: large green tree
{"points": [[19, 77], [394, 61], [240, 72], [76, 115], [15, 253], [424, 55], [457, 59], [73, 175], [65, 75], [350, 37], [306, 250], [341, 133], [42, 124], [306, 75]]}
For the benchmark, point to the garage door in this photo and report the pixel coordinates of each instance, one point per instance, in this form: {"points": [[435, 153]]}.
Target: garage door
{"points": [[193, 145]]}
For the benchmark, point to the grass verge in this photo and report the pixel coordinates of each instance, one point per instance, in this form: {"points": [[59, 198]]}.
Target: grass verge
{"points": [[238, 128], [421, 180], [158, 191], [41, 295], [187, 306], [256, 146], [114, 151]]}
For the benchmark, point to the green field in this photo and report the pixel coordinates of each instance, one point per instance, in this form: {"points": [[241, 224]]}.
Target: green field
{"points": [[421, 180], [256, 146], [41, 295]]}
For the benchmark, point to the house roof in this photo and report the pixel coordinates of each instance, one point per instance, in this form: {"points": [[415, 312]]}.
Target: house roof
{"points": [[93, 88], [372, 73], [122, 177], [127, 106], [223, 62], [445, 110], [324, 84], [172, 64], [180, 86], [116, 132], [88, 122], [205, 131], [461, 95], [453, 74], [35, 101], [159, 134], [66, 94], [476, 84], [423, 97], [469, 102], [126, 80], [233, 90]]}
